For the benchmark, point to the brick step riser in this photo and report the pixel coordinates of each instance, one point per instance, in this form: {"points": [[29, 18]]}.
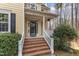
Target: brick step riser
{"points": [[32, 40], [28, 47], [45, 53], [34, 45], [42, 54], [30, 43], [31, 51]]}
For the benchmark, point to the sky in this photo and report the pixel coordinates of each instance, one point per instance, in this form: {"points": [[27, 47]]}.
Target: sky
{"points": [[51, 5]]}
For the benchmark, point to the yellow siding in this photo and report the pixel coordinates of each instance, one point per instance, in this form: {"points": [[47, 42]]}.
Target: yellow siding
{"points": [[18, 9], [39, 28]]}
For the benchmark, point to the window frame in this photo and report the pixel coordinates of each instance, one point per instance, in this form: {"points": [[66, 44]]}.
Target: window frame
{"points": [[9, 19], [35, 7]]}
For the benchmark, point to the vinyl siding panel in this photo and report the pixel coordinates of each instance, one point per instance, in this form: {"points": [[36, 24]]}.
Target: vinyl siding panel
{"points": [[18, 9]]}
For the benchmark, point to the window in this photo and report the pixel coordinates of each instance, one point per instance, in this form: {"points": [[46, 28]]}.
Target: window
{"points": [[33, 6], [4, 21]]}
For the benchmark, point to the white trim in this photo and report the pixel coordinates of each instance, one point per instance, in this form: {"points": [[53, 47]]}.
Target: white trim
{"points": [[9, 16], [9, 22], [28, 27], [35, 7], [50, 44], [46, 40], [20, 45]]}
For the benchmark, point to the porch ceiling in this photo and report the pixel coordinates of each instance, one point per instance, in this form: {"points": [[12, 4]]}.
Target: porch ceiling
{"points": [[33, 17], [40, 13]]}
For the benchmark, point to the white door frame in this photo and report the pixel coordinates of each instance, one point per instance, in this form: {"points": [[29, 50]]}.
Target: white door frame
{"points": [[28, 28]]}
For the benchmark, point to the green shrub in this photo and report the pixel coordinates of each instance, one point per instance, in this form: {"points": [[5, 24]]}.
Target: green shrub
{"points": [[9, 44], [62, 35]]}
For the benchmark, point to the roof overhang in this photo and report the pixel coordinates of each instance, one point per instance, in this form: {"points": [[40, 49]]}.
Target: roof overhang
{"points": [[40, 13]]}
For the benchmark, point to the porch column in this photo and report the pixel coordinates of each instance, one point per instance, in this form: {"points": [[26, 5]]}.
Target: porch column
{"points": [[43, 23]]}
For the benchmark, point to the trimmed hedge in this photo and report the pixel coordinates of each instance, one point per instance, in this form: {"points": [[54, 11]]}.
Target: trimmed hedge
{"points": [[9, 44]]}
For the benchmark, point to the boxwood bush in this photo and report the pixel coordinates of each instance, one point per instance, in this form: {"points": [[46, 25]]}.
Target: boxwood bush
{"points": [[9, 44], [62, 35]]}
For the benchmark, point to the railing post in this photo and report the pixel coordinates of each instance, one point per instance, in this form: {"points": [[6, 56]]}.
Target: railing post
{"points": [[20, 45], [52, 46], [43, 23], [19, 49]]}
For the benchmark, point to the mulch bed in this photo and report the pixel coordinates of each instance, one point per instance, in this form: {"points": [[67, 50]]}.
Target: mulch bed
{"points": [[63, 53]]}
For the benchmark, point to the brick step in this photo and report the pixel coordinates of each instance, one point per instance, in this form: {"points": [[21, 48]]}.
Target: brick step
{"points": [[34, 38], [34, 45], [34, 42], [38, 53], [35, 49]]}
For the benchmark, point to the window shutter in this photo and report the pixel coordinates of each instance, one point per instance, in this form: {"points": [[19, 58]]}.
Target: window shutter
{"points": [[13, 22]]}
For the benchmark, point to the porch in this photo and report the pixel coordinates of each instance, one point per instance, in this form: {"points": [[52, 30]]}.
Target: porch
{"points": [[37, 25]]}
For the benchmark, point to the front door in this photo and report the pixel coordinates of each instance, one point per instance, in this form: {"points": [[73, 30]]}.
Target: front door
{"points": [[33, 30]]}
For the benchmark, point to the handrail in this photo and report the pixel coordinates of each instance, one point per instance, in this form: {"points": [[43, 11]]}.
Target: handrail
{"points": [[47, 38], [20, 45], [49, 41]]}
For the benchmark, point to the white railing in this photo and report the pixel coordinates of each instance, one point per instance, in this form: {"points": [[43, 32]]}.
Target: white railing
{"points": [[49, 41], [20, 45]]}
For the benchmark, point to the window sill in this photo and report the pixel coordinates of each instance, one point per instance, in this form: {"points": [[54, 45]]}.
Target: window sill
{"points": [[4, 32]]}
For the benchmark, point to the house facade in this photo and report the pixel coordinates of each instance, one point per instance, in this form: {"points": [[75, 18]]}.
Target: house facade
{"points": [[32, 20], [25, 15]]}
